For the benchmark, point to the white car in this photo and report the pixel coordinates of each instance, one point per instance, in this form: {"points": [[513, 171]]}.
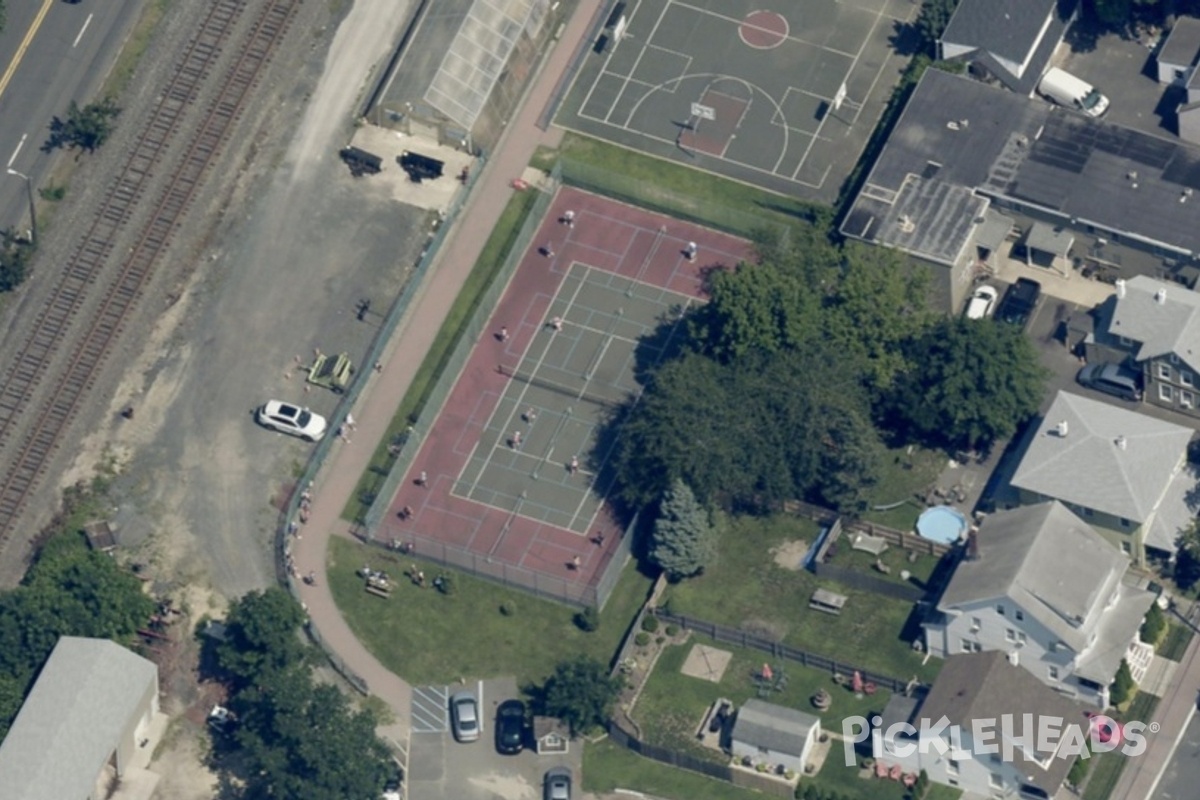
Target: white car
{"points": [[983, 302], [297, 421]]}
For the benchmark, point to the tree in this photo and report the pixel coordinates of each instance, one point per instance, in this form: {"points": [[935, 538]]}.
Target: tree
{"points": [[580, 693], [86, 128], [14, 260], [262, 637], [1116, 14], [685, 537], [1154, 626], [969, 385], [1123, 688], [1187, 558], [932, 21]]}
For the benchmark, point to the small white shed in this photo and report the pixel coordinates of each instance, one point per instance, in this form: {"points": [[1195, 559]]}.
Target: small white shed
{"points": [[773, 734]]}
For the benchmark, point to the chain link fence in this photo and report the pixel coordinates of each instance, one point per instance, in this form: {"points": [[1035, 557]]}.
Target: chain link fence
{"points": [[290, 519]]}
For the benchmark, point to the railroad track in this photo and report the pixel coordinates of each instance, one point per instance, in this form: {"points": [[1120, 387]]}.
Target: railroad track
{"points": [[70, 379]]}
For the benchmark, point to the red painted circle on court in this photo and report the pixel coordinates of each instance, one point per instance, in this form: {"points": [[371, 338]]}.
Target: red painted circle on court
{"points": [[763, 29]]}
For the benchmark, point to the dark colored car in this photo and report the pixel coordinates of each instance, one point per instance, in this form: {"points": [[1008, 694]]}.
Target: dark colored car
{"points": [[1111, 379], [510, 727], [1019, 302], [557, 784]]}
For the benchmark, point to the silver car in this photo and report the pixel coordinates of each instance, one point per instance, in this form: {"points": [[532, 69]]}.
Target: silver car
{"points": [[464, 717], [557, 784]]}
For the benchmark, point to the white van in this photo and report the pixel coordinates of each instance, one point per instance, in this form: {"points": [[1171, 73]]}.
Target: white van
{"points": [[1067, 90]]}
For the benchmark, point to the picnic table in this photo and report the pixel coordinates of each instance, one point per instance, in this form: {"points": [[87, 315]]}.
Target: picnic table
{"points": [[827, 601]]}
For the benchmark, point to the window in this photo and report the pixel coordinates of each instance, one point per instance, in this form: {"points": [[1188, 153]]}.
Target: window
{"points": [[1125, 548], [1000, 609], [1164, 371], [1174, 358], [1010, 635], [976, 623], [1180, 74], [1125, 523], [1021, 637], [967, 646], [1019, 614], [1087, 512], [952, 767], [1125, 341], [1165, 392], [1185, 377], [1187, 399], [995, 781], [1053, 672]]}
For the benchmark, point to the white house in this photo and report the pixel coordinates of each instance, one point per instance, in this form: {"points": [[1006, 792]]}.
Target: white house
{"points": [[1039, 581], [1177, 57], [771, 734], [1009, 41], [976, 692], [84, 723]]}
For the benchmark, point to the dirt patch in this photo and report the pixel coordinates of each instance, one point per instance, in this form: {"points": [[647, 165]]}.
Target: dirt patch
{"points": [[181, 761], [764, 628], [706, 663], [790, 554]]}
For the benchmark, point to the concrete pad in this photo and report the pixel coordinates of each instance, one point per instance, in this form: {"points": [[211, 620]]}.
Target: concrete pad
{"points": [[706, 663], [388, 144]]}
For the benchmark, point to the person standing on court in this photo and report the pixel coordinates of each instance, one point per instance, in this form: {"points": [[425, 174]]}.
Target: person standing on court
{"points": [[690, 251]]}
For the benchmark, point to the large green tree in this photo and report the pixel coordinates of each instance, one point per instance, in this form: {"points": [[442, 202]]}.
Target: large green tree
{"points": [[580, 693], [969, 384], [262, 636], [932, 20], [685, 536]]}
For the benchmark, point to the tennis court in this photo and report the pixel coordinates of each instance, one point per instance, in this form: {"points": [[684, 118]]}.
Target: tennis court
{"points": [[514, 469], [784, 98]]}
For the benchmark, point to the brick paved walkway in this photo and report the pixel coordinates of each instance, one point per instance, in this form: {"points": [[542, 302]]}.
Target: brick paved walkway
{"points": [[411, 342]]}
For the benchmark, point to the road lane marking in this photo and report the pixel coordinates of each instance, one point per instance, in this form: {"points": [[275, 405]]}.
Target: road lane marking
{"points": [[86, 22], [20, 144], [33, 29]]}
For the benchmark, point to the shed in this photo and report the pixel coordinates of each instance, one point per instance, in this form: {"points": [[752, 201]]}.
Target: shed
{"points": [[774, 735], [1180, 50], [100, 536], [551, 736]]}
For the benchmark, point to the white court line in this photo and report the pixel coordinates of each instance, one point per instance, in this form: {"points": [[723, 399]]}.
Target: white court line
{"points": [[608, 60], [737, 21], [86, 22], [821, 124], [638, 60], [20, 144]]}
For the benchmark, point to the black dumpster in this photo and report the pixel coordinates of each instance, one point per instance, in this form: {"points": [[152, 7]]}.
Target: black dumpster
{"points": [[361, 162], [419, 167]]}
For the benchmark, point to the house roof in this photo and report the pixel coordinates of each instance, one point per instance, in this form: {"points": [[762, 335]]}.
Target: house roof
{"points": [[1181, 48], [1021, 553], [1118, 627], [1008, 29], [775, 728], [1177, 511], [1169, 327], [73, 719], [1111, 459], [1028, 153], [986, 686]]}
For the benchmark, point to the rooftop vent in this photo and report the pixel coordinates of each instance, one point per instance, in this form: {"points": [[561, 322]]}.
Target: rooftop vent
{"points": [[1014, 659], [1131, 175], [1061, 429], [1120, 284], [973, 544], [906, 224], [954, 126], [963, 123], [1022, 141], [1160, 296], [1120, 442]]}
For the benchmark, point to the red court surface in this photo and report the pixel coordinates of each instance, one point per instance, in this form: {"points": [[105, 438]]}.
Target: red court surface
{"points": [[607, 237]]}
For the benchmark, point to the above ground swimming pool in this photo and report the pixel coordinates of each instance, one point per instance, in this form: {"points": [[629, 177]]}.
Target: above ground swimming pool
{"points": [[944, 524]]}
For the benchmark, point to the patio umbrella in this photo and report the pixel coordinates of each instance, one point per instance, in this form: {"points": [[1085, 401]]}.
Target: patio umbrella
{"points": [[766, 672], [856, 683]]}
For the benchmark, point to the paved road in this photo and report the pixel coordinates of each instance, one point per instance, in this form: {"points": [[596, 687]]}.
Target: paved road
{"points": [[51, 53], [1182, 777]]}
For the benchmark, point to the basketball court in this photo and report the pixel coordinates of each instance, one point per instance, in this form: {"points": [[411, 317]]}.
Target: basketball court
{"points": [[513, 470], [784, 98]]}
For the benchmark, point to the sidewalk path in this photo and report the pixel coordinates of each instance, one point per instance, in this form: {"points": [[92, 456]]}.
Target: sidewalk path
{"points": [[347, 461], [1141, 775]]}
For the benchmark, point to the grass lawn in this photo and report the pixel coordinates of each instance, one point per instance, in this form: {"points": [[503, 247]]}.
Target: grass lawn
{"points": [[672, 705], [1176, 642], [894, 557], [607, 766], [1106, 767], [495, 251], [747, 589], [685, 192], [427, 637], [903, 476], [836, 777]]}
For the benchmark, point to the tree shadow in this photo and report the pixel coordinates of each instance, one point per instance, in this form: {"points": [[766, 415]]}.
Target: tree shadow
{"points": [[1085, 33], [905, 39]]}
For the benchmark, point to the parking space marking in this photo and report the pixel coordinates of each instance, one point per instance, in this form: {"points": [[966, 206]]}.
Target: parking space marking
{"points": [[430, 709]]}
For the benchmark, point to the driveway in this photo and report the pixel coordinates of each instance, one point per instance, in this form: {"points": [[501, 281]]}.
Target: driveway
{"points": [[442, 769]]}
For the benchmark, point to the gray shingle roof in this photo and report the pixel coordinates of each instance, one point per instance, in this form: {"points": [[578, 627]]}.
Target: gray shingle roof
{"points": [[1111, 460], [776, 728], [72, 720], [1117, 628], [1008, 29], [1182, 45], [1021, 556], [1176, 512], [986, 686], [1172, 326]]}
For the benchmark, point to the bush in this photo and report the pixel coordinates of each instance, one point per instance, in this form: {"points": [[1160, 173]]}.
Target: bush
{"points": [[1154, 627], [672, 630], [1123, 687], [445, 584], [649, 623], [642, 639], [508, 608], [588, 620]]}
